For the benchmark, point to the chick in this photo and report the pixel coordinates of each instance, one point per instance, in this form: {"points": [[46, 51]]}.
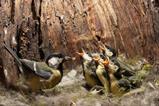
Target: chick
{"points": [[89, 68], [120, 68], [118, 86], [103, 74], [137, 79]]}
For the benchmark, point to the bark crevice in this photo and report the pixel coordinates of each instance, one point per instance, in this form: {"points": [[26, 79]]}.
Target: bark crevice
{"points": [[12, 10]]}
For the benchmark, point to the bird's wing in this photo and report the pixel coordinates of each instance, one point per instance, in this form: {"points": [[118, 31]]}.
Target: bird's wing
{"points": [[39, 68], [17, 59], [124, 83], [12, 53], [43, 70], [43, 74], [125, 66]]}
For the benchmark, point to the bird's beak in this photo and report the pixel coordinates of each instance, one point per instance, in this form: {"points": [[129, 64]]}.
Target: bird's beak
{"points": [[96, 58], [80, 54], [69, 58], [101, 48], [106, 62], [83, 50]]}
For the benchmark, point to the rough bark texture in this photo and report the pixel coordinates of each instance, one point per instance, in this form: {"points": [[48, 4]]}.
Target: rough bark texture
{"points": [[130, 26]]}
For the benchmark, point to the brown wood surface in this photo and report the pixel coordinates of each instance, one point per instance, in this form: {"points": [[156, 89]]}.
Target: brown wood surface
{"points": [[130, 26]]}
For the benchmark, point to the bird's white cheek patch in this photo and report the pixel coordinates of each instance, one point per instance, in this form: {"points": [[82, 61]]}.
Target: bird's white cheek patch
{"points": [[53, 61]]}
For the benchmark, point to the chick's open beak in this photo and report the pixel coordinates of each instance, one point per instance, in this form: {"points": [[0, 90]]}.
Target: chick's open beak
{"points": [[80, 54], [96, 58], [106, 62], [101, 48]]}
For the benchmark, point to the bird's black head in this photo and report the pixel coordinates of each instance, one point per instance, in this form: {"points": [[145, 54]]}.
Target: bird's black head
{"points": [[111, 52], [55, 59]]}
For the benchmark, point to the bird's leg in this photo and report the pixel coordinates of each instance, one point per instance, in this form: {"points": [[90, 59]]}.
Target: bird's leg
{"points": [[106, 85], [97, 87]]}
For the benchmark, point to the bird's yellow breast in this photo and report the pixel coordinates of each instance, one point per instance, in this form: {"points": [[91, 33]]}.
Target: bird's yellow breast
{"points": [[36, 83], [52, 81], [90, 76], [91, 81], [115, 88]]}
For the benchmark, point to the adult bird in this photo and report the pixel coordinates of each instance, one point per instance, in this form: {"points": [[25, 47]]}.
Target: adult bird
{"points": [[40, 75], [89, 70]]}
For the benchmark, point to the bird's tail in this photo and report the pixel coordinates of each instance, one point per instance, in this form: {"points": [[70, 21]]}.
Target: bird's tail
{"points": [[13, 54]]}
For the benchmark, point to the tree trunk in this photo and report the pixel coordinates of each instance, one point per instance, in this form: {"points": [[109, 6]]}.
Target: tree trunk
{"points": [[130, 26]]}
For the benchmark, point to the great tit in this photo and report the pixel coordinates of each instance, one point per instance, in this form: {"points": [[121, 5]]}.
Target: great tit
{"points": [[41, 75], [89, 70]]}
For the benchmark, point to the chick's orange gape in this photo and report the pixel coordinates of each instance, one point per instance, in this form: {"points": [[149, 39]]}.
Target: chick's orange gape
{"points": [[105, 63], [95, 58], [80, 54]]}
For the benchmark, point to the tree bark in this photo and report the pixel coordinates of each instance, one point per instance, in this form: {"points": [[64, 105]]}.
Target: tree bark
{"points": [[130, 26]]}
